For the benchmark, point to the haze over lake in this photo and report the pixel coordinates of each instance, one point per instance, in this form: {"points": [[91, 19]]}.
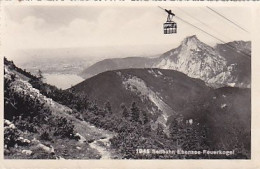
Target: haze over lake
{"points": [[63, 81]]}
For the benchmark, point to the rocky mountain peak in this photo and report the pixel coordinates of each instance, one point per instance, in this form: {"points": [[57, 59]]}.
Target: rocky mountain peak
{"points": [[191, 41]]}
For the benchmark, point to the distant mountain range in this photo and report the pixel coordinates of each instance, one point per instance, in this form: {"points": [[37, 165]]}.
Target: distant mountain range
{"points": [[224, 65]]}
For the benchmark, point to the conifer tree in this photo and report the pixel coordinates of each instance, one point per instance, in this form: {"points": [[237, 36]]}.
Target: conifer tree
{"points": [[135, 112], [159, 130], [108, 108], [145, 117], [39, 75], [125, 112]]}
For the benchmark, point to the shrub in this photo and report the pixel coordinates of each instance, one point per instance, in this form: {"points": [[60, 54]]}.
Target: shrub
{"points": [[10, 137], [45, 136]]}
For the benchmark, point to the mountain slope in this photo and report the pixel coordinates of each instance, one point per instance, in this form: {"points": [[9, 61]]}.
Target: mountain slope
{"points": [[36, 127], [225, 65], [194, 58], [229, 119], [178, 102], [161, 93], [238, 57]]}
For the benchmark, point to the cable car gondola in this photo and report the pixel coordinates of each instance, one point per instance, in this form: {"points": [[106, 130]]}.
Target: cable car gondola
{"points": [[169, 27]]}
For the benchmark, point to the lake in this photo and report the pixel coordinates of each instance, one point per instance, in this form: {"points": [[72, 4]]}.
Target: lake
{"points": [[63, 81]]}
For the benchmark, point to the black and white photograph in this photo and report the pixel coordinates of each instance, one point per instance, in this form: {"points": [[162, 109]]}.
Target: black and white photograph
{"points": [[126, 82]]}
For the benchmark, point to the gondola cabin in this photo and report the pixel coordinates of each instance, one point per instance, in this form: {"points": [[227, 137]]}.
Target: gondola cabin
{"points": [[170, 27]]}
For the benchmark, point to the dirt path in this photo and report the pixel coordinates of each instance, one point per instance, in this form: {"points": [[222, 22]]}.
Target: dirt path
{"points": [[102, 146], [97, 138]]}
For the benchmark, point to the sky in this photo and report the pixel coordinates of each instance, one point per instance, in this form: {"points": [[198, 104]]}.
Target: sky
{"points": [[45, 27]]}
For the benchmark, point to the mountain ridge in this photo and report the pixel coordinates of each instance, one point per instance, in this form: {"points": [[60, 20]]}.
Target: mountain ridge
{"points": [[157, 91], [218, 66]]}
